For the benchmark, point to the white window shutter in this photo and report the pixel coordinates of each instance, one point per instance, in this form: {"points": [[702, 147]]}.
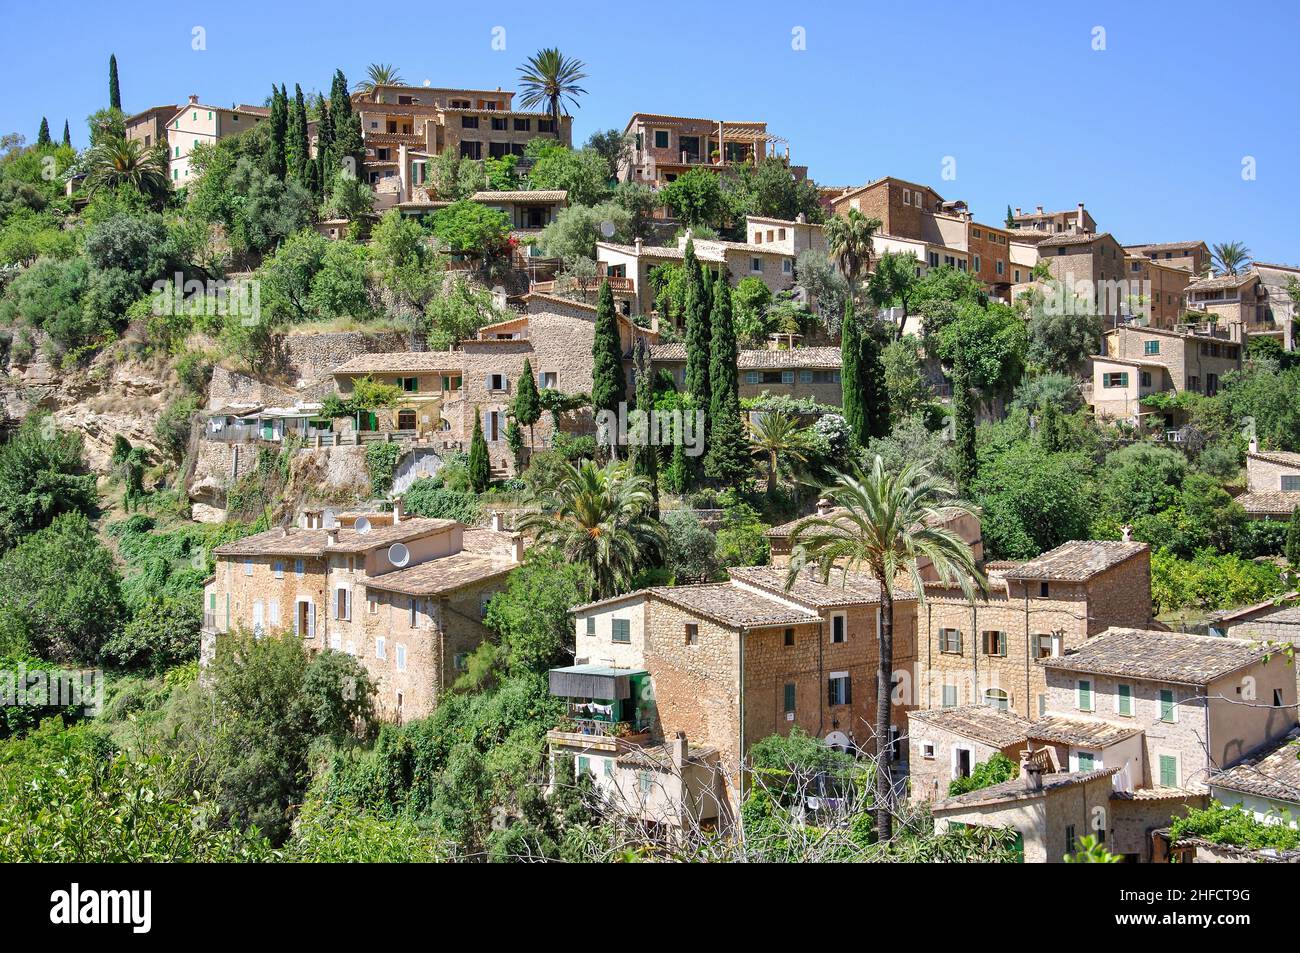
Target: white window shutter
{"points": [[311, 620]]}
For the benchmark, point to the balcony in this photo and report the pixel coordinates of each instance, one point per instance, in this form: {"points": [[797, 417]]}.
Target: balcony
{"points": [[608, 708], [209, 622]]}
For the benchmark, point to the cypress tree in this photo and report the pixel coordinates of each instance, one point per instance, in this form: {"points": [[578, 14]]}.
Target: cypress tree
{"points": [[347, 128], [963, 423], [297, 146], [851, 399], [480, 470], [324, 146], [871, 378], [528, 405], [43, 134], [67, 135], [675, 477], [609, 382], [1049, 432], [114, 90], [698, 336], [727, 460], [1292, 548], [279, 130], [645, 456]]}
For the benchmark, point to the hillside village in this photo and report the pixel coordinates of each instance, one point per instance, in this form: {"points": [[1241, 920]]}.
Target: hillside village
{"points": [[428, 485]]}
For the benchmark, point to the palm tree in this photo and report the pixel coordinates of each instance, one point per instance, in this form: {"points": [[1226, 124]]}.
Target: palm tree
{"points": [[886, 525], [848, 240], [777, 436], [549, 78], [1230, 257], [599, 517], [380, 74], [116, 161]]}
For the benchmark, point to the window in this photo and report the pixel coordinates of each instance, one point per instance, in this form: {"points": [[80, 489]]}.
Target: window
{"points": [[1124, 699], [995, 643], [977, 264], [950, 641], [805, 377], [756, 265], [933, 259], [1150, 347], [548, 379], [1168, 711], [1069, 839], [591, 625], [380, 649], [413, 610], [609, 767], [1290, 482], [343, 603], [1084, 692], [927, 751], [460, 661], [907, 196], [949, 696], [753, 377], [787, 266], [584, 766], [1277, 698], [787, 377], [278, 568], [1087, 761], [499, 123], [620, 630], [496, 382], [838, 627], [401, 657], [1146, 378], [789, 638], [839, 689], [789, 698], [248, 567], [1046, 646], [469, 122], [521, 125], [410, 385], [1168, 771], [692, 633], [299, 567], [372, 603], [997, 698], [1042, 705], [1044, 590], [661, 138], [471, 149]]}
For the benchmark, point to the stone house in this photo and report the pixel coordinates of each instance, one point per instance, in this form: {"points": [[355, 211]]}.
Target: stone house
{"points": [[404, 597], [800, 372], [1267, 784], [1196, 703], [149, 128], [1139, 361], [1162, 287], [1277, 281], [988, 652], [196, 123], [1272, 483], [1091, 268], [1074, 221], [427, 379], [1193, 257], [1241, 301], [945, 744], [663, 147]]}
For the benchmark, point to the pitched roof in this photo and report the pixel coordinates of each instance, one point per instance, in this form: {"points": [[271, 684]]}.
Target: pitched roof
{"points": [[444, 574], [843, 589], [1080, 731], [1164, 246], [982, 723], [707, 253], [295, 541], [1159, 656], [660, 757], [1272, 772], [1222, 281], [1288, 615], [1015, 790], [521, 195], [1269, 502], [399, 361], [795, 357], [732, 606], [1282, 457], [1077, 560], [1075, 238]]}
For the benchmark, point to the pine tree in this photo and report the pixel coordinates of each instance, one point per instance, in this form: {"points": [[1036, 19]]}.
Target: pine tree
{"points": [[609, 382], [480, 470], [297, 147], [275, 162], [645, 456], [727, 459], [43, 134], [1292, 548], [963, 424], [67, 135], [851, 399], [871, 381], [528, 405], [698, 336], [114, 90]]}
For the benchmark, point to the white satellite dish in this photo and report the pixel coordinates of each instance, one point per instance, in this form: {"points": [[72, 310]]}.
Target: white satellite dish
{"points": [[399, 555], [362, 525], [607, 228]]}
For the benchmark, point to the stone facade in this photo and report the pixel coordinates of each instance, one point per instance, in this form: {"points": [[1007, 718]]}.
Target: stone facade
{"points": [[1139, 361]]}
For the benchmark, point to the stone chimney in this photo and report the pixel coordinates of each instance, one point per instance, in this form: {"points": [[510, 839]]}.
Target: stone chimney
{"points": [[638, 245], [801, 218], [194, 99], [1078, 217], [332, 536], [496, 524], [1126, 533], [1039, 209], [1031, 772], [397, 510], [1254, 444], [824, 506], [517, 547], [681, 750], [1017, 215]]}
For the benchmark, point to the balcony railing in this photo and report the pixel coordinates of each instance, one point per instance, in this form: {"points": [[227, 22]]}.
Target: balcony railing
{"points": [[210, 621]]}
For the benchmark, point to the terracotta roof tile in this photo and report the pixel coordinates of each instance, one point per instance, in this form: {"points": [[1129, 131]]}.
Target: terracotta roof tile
{"points": [[1273, 772], [444, 574], [1015, 790], [843, 589], [1080, 731], [732, 606], [1077, 561], [1221, 281], [1159, 656], [981, 723], [1269, 503], [399, 361], [315, 542]]}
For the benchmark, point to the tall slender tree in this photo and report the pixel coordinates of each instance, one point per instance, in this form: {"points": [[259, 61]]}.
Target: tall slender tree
{"points": [[324, 145], [480, 468], [275, 160], [347, 129], [871, 380], [609, 382], [851, 399], [67, 134], [297, 149], [698, 336], [114, 90], [645, 455], [1292, 547], [527, 405], [43, 134], [966, 465], [726, 450]]}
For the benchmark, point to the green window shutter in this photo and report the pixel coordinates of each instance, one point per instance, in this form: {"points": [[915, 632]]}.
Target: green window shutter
{"points": [[1002, 644], [1086, 761], [1166, 704], [789, 697], [950, 696], [622, 630], [1168, 771], [1123, 379], [1085, 695], [584, 766], [1125, 700]]}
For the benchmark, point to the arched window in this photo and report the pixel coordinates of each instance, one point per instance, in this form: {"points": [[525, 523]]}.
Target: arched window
{"points": [[406, 420], [997, 698]]}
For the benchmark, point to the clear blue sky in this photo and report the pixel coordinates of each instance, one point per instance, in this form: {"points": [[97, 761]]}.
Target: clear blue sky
{"points": [[1149, 132]]}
